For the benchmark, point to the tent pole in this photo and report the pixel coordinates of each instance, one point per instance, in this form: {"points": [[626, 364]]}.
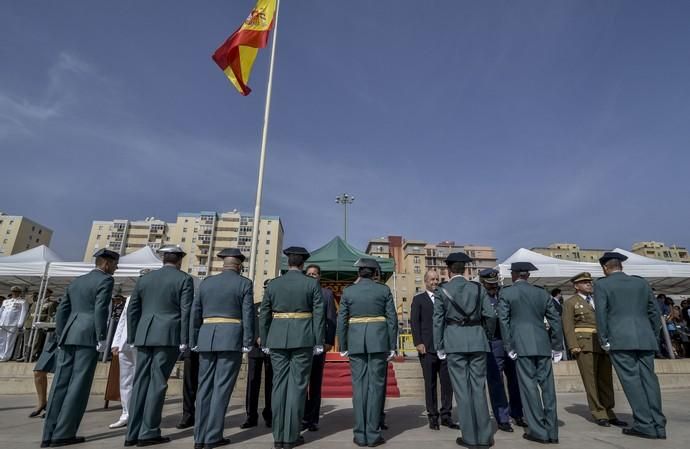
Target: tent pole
{"points": [[37, 310]]}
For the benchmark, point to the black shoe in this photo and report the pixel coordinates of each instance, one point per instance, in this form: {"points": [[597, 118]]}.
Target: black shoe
{"points": [[520, 422], [37, 412], [637, 433], [45, 443], [529, 437], [433, 425], [383, 426], [357, 443], [248, 424], [553, 440], [377, 442], [185, 424], [67, 441], [450, 424], [313, 427], [617, 422], [278, 444], [198, 445], [505, 427], [603, 422], [268, 423], [460, 442], [223, 442], [299, 442], [662, 436], [129, 443], [152, 441]]}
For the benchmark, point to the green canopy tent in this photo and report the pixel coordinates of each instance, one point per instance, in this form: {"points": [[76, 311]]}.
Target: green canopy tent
{"points": [[337, 259]]}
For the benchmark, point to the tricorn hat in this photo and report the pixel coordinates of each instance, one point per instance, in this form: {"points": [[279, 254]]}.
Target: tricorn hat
{"points": [[523, 266], [458, 257], [172, 249], [232, 252], [367, 262], [609, 255], [298, 251], [108, 254]]}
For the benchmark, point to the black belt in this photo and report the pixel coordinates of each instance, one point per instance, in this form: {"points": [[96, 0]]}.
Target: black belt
{"points": [[463, 323]]}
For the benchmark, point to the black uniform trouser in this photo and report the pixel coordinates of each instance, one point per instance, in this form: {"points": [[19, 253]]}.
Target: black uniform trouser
{"points": [[434, 369], [254, 365], [312, 406], [190, 385]]}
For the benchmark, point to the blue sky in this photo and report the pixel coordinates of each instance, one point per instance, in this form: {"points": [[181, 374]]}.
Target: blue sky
{"points": [[496, 122]]}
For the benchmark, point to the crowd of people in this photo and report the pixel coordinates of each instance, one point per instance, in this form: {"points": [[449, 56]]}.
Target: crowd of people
{"points": [[469, 336]]}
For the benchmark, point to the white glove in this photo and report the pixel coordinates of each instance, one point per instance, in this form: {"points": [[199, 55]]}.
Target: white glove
{"points": [[318, 350], [344, 354], [513, 355], [195, 349], [265, 350], [183, 347], [556, 356], [100, 347], [606, 347], [246, 349], [390, 356], [441, 355]]}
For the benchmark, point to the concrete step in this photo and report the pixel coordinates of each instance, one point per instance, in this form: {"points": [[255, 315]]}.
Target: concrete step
{"points": [[17, 378]]}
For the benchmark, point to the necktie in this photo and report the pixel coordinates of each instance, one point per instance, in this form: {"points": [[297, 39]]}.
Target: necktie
{"points": [[589, 300]]}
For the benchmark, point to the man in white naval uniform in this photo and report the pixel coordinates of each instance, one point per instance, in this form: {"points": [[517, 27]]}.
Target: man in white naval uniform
{"points": [[127, 356]]}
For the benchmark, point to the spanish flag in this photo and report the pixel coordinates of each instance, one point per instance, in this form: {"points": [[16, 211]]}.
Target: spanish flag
{"points": [[236, 56]]}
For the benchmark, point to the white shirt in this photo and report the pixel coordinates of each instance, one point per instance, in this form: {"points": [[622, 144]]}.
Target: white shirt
{"points": [[587, 298], [431, 295], [120, 338]]}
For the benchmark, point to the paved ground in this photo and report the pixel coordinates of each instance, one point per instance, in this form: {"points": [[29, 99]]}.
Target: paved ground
{"points": [[405, 417]]}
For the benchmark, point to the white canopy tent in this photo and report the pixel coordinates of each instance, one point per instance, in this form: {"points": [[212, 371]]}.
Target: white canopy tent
{"points": [[27, 268], [60, 274], [671, 278]]}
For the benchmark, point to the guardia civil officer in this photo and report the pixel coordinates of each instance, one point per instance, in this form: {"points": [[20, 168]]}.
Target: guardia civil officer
{"points": [[222, 327], [158, 326], [463, 318], [367, 331], [81, 330], [580, 330], [521, 312], [628, 322], [501, 368], [291, 327]]}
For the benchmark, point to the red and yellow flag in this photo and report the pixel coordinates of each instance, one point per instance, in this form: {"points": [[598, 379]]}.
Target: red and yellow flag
{"points": [[236, 56]]}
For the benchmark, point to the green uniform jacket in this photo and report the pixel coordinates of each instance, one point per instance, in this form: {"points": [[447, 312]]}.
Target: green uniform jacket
{"points": [[158, 311], [578, 314], [521, 311], [367, 298], [289, 293], [628, 317], [226, 295], [82, 315], [475, 303]]}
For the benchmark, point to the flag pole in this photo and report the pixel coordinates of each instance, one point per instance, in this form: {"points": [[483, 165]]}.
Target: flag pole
{"points": [[262, 158]]}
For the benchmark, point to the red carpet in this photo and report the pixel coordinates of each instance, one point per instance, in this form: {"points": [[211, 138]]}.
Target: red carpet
{"points": [[337, 381]]}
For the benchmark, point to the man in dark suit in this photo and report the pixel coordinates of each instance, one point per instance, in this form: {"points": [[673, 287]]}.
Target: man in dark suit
{"points": [[557, 298], [256, 360], [310, 420], [433, 368], [80, 328]]}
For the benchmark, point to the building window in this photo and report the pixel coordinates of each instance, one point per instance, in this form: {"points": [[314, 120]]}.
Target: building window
{"points": [[265, 273], [268, 232], [36, 240], [416, 259], [266, 252], [98, 237], [183, 239], [268, 242], [417, 270]]}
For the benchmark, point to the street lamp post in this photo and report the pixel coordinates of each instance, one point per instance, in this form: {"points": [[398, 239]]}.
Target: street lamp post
{"points": [[345, 199]]}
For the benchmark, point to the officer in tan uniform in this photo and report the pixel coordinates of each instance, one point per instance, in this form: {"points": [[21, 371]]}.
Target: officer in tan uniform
{"points": [[580, 329]]}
